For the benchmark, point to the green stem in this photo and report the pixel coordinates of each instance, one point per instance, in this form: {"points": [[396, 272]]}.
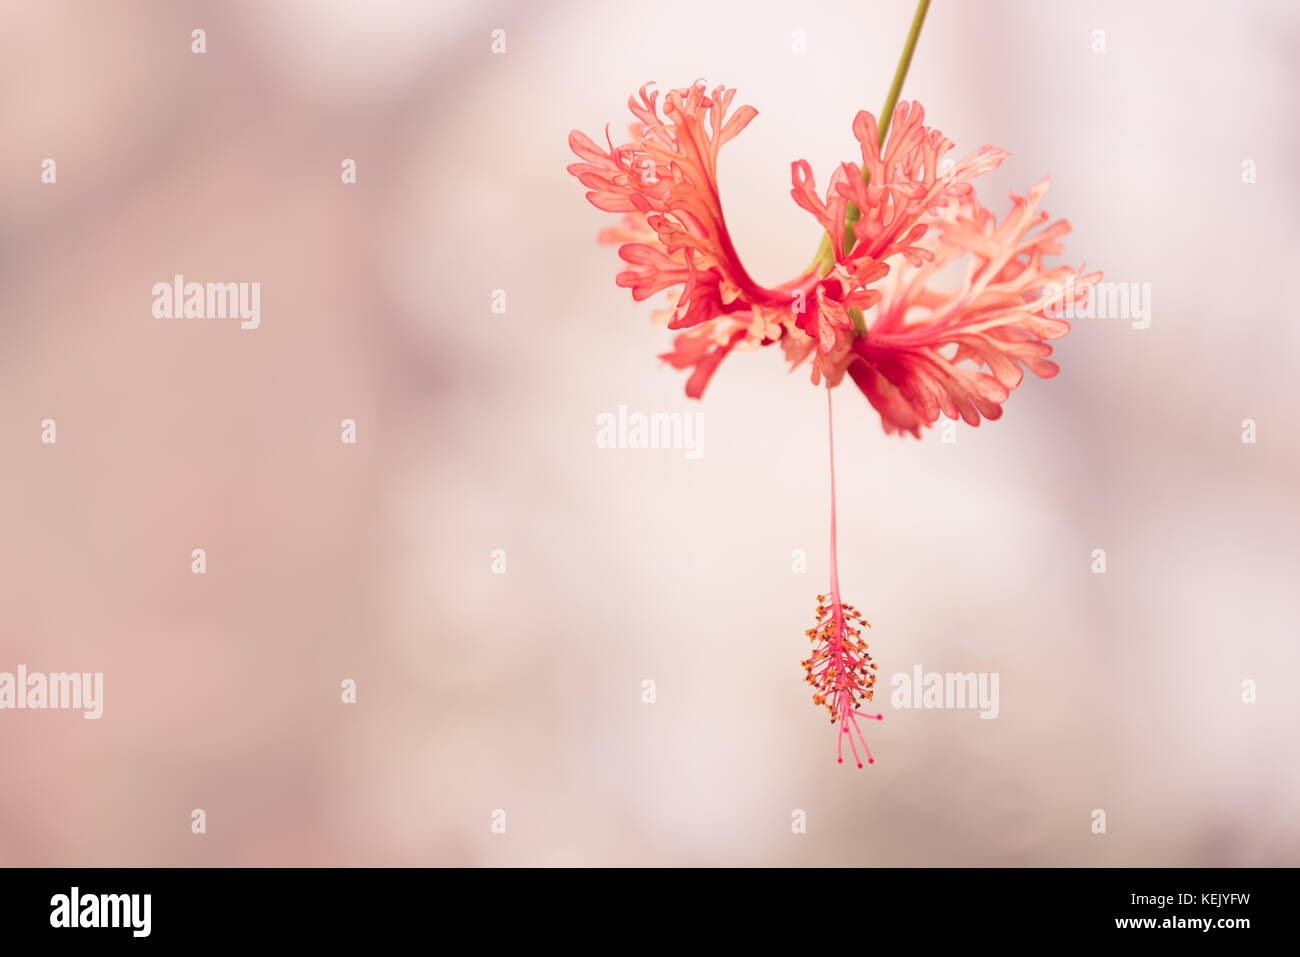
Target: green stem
{"points": [[826, 251]]}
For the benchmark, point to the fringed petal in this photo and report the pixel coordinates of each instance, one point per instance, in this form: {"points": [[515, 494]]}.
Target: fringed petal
{"points": [[961, 353]]}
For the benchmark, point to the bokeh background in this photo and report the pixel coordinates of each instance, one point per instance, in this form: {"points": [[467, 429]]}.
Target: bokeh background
{"points": [[522, 691]]}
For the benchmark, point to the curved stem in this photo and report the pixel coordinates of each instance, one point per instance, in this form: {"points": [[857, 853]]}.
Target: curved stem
{"points": [[904, 64], [826, 252]]}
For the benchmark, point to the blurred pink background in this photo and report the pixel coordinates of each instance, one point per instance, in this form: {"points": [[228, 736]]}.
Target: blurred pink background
{"points": [[522, 691]]}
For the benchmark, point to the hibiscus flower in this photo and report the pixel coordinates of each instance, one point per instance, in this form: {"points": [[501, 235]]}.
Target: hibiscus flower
{"points": [[871, 304]]}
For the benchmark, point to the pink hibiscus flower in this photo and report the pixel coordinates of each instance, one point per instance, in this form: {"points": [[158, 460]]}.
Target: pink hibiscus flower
{"points": [[869, 305], [913, 350]]}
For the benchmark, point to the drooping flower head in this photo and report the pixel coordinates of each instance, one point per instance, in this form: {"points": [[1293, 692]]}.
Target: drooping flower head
{"points": [[894, 221], [870, 307]]}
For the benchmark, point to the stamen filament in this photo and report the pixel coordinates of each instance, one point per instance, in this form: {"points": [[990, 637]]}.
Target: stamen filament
{"points": [[840, 668]]}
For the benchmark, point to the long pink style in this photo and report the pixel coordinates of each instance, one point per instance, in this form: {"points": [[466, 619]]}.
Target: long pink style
{"points": [[844, 658]]}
